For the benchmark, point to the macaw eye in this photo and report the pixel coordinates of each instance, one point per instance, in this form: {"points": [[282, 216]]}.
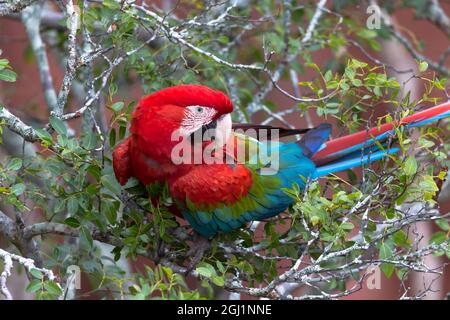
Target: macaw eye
{"points": [[196, 116]]}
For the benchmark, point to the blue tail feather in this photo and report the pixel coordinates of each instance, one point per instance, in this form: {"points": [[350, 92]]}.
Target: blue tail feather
{"points": [[313, 140], [349, 162]]}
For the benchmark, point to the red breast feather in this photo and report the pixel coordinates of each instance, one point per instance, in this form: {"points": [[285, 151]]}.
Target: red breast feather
{"points": [[212, 184]]}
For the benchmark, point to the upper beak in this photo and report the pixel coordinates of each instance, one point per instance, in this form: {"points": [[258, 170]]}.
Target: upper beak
{"points": [[217, 130], [223, 130]]}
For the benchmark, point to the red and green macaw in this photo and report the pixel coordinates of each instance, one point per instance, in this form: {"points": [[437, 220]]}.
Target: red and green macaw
{"points": [[221, 197]]}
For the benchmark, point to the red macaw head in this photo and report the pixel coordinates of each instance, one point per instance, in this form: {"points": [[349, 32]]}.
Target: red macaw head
{"points": [[182, 111]]}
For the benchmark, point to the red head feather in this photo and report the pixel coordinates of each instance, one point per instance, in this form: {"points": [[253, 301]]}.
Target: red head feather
{"points": [[188, 95]]}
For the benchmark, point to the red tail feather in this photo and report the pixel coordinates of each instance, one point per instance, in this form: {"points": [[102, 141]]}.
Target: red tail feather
{"points": [[334, 148]]}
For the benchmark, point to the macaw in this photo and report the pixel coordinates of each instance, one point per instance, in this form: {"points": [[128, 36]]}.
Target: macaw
{"points": [[221, 197]]}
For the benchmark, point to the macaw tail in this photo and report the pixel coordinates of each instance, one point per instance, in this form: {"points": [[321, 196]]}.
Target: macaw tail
{"points": [[370, 145]]}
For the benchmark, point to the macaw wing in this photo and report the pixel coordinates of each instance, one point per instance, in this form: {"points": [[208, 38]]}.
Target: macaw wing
{"points": [[223, 197], [267, 129], [121, 161]]}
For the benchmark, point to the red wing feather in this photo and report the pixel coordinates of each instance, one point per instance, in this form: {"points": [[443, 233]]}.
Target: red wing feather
{"points": [[121, 161]]}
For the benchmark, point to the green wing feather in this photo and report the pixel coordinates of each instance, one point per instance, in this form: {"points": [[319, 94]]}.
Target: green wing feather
{"points": [[265, 197]]}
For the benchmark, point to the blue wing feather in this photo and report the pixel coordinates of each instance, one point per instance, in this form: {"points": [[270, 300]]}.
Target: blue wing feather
{"points": [[293, 167]]}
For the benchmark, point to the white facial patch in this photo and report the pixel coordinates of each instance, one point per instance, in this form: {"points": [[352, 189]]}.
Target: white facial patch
{"points": [[223, 130], [195, 117]]}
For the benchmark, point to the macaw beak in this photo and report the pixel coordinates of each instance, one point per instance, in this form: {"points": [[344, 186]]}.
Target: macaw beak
{"points": [[222, 130], [218, 130]]}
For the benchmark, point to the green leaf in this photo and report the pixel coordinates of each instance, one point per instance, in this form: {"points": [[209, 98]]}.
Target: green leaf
{"points": [[110, 183], [410, 166], [443, 224], [44, 135], [438, 237], [58, 125], [314, 220], [3, 62], [18, 189], [428, 184], [72, 222], [347, 226], [366, 33], [349, 72], [117, 106], [377, 91], [15, 164], [94, 171], [423, 66], [90, 140], [352, 177], [388, 269], [112, 137], [109, 211], [332, 284], [402, 273], [33, 286], [442, 175], [328, 75], [206, 270], [72, 205], [400, 238], [86, 238], [168, 272], [52, 288], [345, 86], [111, 4], [356, 82], [386, 253], [36, 273], [218, 281], [8, 75], [122, 132]]}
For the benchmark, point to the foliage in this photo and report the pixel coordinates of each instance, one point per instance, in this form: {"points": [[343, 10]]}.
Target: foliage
{"points": [[344, 224]]}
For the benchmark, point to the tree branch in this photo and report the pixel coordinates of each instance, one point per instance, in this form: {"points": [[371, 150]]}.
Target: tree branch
{"points": [[31, 18], [13, 6], [71, 59], [43, 228], [18, 126], [437, 15], [28, 264]]}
